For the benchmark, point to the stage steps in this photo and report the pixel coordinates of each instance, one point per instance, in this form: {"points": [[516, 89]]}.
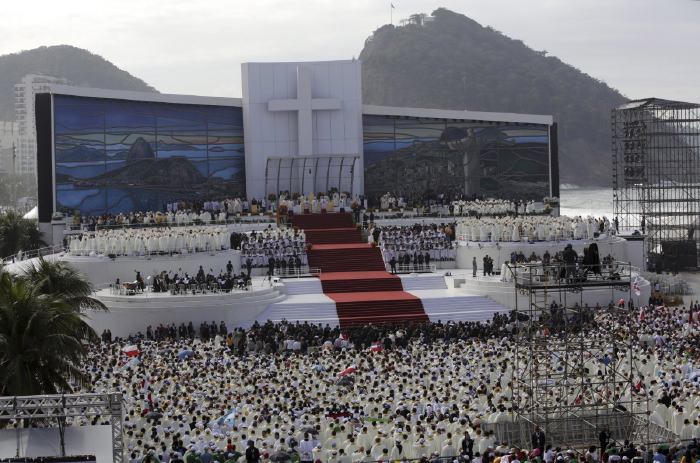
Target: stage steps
{"points": [[358, 258], [417, 282], [361, 285], [333, 236], [316, 308], [445, 306], [294, 286], [378, 307], [320, 221]]}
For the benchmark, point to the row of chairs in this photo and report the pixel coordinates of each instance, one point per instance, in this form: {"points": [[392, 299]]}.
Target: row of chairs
{"points": [[203, 288]]}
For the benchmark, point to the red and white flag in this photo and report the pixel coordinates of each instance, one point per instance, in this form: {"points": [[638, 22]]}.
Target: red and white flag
{"points": [[348, 371], [131, 351], [376, 347]]}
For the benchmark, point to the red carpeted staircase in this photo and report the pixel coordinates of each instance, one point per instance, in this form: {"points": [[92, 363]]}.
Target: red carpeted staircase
{"points": [[333, 235], [353, 273]]}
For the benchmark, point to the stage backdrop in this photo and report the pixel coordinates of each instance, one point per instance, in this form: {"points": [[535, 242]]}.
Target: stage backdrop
{"points": [[419, 157], [116, 156]]}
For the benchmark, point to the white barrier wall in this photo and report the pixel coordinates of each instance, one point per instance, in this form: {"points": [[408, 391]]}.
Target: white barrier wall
{"points": [[103, 270], [131, 314], [500, 252], [504, 293]]}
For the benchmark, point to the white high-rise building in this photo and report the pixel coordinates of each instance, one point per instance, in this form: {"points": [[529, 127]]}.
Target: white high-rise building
{"points": [[25, 162], [8, 143]]}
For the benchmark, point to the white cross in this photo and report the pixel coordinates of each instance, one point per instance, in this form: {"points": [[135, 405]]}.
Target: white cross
{"points": [[304, 104]]}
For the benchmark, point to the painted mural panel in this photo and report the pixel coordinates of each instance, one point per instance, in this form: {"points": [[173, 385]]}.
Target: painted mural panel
{"points": [[422, 158], [115, 156]]}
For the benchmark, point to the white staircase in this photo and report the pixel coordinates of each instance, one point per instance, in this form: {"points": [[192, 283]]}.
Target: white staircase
{"points": [[295, 286], [424, 281], [446, 306], [311, 308]]}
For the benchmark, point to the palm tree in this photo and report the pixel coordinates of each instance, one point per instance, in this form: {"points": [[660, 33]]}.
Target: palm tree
{"points": [[18, 234], [42, 340], [60, 279]]}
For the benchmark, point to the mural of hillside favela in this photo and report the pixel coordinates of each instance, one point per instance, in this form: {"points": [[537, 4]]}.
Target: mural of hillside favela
{"points": [[417, 158], [114, 156]]}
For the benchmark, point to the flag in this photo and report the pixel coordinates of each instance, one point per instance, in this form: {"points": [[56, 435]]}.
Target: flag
{"points": [[635, 287], [376, 347], [131, 351], [393, 7], [348, 371]]}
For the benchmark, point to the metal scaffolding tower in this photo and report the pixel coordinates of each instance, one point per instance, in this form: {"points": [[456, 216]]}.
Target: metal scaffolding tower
{"points": [[59, 407], [656, 178], [568, 382]]}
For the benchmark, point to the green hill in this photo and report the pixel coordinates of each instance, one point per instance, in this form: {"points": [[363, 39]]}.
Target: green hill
{"points": [[452, 62], [78, 66]]}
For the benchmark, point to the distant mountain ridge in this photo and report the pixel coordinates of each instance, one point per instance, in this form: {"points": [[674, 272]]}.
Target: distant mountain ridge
{"points": [[452, 62], [78, 66]]}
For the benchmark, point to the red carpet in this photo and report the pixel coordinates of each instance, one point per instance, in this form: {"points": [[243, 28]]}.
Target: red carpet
{"points": [[353, 273], [333, 235], [316, 221], [358, 282]]}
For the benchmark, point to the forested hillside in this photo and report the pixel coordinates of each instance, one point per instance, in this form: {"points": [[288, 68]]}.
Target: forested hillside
{"points": [[78, 66], [452, 62]]}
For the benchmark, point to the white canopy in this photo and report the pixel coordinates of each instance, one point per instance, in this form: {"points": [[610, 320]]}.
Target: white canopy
{"points": [[33, 213]]}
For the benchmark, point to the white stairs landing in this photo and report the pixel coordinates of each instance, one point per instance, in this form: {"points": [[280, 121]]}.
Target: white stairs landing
{"points": [[295, 286], [311, 308], [448, 305], [413, 282]]}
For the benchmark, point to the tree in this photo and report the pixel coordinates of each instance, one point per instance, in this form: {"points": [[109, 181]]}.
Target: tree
{"points": [[42, 340], [54, 277], [18, 234]]}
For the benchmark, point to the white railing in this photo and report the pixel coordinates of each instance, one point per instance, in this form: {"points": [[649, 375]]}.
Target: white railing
{"points": [[31, 254], [412, 268], [238, 220], [131, 289], [304, 271]]}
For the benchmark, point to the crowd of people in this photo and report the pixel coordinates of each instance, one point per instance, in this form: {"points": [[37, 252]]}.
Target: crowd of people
{"points": [[150, 241], [186, 283], [531, 228], [415, 246], [493, 207], [273, 247], [201, 281], [179, 213], [316, 393]]}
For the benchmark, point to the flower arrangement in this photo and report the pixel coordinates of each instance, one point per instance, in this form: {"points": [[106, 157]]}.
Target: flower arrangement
{"points": [[271, 197], [309, 246]]}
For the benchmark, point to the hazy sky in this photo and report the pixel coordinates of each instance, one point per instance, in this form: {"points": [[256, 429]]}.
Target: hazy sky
{"points": [[641, 47]]}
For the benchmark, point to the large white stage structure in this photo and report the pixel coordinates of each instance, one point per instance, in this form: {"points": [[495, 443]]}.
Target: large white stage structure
{"points": [[448, 294], [300, 127]]}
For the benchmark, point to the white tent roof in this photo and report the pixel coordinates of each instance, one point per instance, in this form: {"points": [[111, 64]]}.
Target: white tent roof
{"points": [[33, 214]]}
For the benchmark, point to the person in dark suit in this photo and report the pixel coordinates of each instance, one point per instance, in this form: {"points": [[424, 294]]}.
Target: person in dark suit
{"points": [[249, 265], [392, 263], [538, 440], [604, 439]]}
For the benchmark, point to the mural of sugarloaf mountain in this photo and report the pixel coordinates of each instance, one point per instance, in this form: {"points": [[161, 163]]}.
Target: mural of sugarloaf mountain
{"points": [[114, 156], [419, 158]]}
